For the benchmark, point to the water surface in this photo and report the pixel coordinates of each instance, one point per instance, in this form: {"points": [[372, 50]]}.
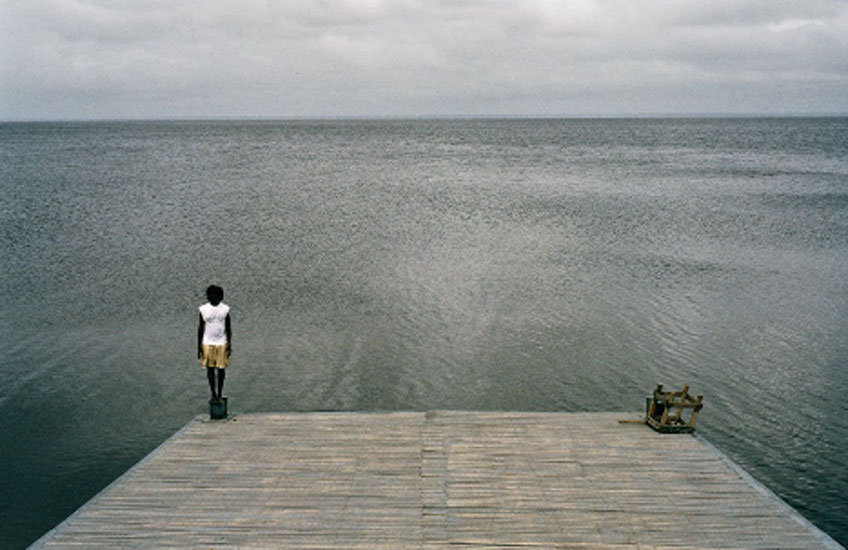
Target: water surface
{"points": [[550, 265]]}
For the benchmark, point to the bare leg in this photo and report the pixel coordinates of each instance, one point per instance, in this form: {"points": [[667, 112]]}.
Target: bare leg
{"points": [[221, 375], [210, 375]]}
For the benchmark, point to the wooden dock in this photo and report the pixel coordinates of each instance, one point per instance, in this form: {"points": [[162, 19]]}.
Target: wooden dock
{"points": [[434, 480]]}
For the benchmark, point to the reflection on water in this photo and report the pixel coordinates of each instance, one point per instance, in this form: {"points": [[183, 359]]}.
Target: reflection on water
{"points": [[372, 265]]}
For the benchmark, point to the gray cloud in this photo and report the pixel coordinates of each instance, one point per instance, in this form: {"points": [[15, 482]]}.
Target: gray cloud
{"points": [[104, 59]]}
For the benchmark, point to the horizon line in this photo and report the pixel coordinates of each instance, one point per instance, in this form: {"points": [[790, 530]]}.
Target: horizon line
{"points": [[400, 117]]}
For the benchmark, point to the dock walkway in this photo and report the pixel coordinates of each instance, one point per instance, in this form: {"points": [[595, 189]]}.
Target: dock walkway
{"points": [[434, 480]]}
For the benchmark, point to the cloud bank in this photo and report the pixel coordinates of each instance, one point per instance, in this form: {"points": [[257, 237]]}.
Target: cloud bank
{"points": [[304, 58]]}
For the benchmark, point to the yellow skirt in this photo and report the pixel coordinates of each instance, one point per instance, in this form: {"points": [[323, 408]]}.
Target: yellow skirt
{"points": [[215, 357]]}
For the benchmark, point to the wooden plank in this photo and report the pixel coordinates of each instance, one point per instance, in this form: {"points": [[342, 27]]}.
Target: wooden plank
{"points": [[434, 480]]}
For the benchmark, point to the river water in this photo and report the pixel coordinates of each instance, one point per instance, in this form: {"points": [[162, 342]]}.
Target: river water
{"points": [[550, 265]]}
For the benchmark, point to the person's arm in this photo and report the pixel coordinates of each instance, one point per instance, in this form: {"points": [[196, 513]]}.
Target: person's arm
{"points": [[228, 327], [201, 328]]}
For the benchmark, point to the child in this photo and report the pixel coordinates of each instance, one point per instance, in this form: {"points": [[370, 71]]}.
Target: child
{"points": [[214, 339]]}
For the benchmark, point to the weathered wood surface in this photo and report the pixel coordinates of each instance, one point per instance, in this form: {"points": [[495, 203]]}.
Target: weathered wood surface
{"points": [[434, 480]]}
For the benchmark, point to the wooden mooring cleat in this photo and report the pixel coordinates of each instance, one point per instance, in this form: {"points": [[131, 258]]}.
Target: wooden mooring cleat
{"points": [[660, 413]]}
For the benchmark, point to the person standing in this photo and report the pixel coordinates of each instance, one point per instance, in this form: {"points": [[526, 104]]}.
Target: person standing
{"points": [[214, 339]]}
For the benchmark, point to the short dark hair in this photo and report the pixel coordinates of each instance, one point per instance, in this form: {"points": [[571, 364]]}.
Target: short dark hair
{"points": [[214, 293]]}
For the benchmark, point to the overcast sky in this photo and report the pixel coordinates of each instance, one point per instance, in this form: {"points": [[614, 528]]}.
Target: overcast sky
{"points": [[69, 59]]}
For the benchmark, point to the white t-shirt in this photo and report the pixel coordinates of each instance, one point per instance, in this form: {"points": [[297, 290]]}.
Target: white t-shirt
{"points": [[215, 332]]}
